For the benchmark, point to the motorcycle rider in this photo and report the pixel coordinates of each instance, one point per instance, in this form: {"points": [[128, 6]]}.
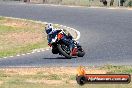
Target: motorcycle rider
{"points": [[50, 30]]}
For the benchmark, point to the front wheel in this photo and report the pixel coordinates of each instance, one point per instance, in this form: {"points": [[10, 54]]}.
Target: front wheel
{"points": [[63, 50], [81, 53]]}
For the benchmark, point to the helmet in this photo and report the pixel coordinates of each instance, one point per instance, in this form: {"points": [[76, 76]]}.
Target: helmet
{"points": [[48, 28]]}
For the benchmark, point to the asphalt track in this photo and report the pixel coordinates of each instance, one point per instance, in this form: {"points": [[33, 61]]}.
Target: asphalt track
{"points": [[106, 34]]}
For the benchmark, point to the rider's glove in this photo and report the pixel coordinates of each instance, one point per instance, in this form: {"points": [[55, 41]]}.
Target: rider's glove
{"points": [[49, 44]]}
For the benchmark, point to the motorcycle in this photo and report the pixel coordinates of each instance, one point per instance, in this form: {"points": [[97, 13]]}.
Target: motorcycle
{"points": [[62, 48]]}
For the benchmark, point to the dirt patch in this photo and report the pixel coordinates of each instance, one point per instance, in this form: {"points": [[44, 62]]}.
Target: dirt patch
{"points": [[50, 70], [21, 24], [20, 71], [90, 71], [1, 82], [51, 82], [49, 75], [11, 40], [129, 8], [16, 34], [24, 37]]}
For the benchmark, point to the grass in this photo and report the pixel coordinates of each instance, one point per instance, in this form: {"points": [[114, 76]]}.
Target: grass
{"points": [[117, 69], [128, 3], [22, 49], [76, 2], [81, 2], [20, 36], [56, 77], [2, 18]]}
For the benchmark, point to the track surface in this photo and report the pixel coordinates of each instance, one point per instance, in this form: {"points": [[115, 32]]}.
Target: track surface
{"points": [[106, 35]]}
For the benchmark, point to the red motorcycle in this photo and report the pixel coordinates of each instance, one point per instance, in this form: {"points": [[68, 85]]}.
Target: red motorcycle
{"points": [[62, 48]]}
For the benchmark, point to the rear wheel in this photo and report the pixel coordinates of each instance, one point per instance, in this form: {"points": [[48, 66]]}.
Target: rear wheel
{"points": [[64, 50]]}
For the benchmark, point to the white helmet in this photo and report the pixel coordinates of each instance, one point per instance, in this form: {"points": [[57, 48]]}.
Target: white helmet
{"points": [[48, 28]]}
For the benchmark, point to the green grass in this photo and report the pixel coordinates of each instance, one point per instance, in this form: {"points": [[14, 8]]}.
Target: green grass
{"points": [[20, 80], [88, 2], [6, 29], [76, 2], [10, 45], [118, 69], [22, 49], [2, 18], [41, 85], [19, 83]]}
